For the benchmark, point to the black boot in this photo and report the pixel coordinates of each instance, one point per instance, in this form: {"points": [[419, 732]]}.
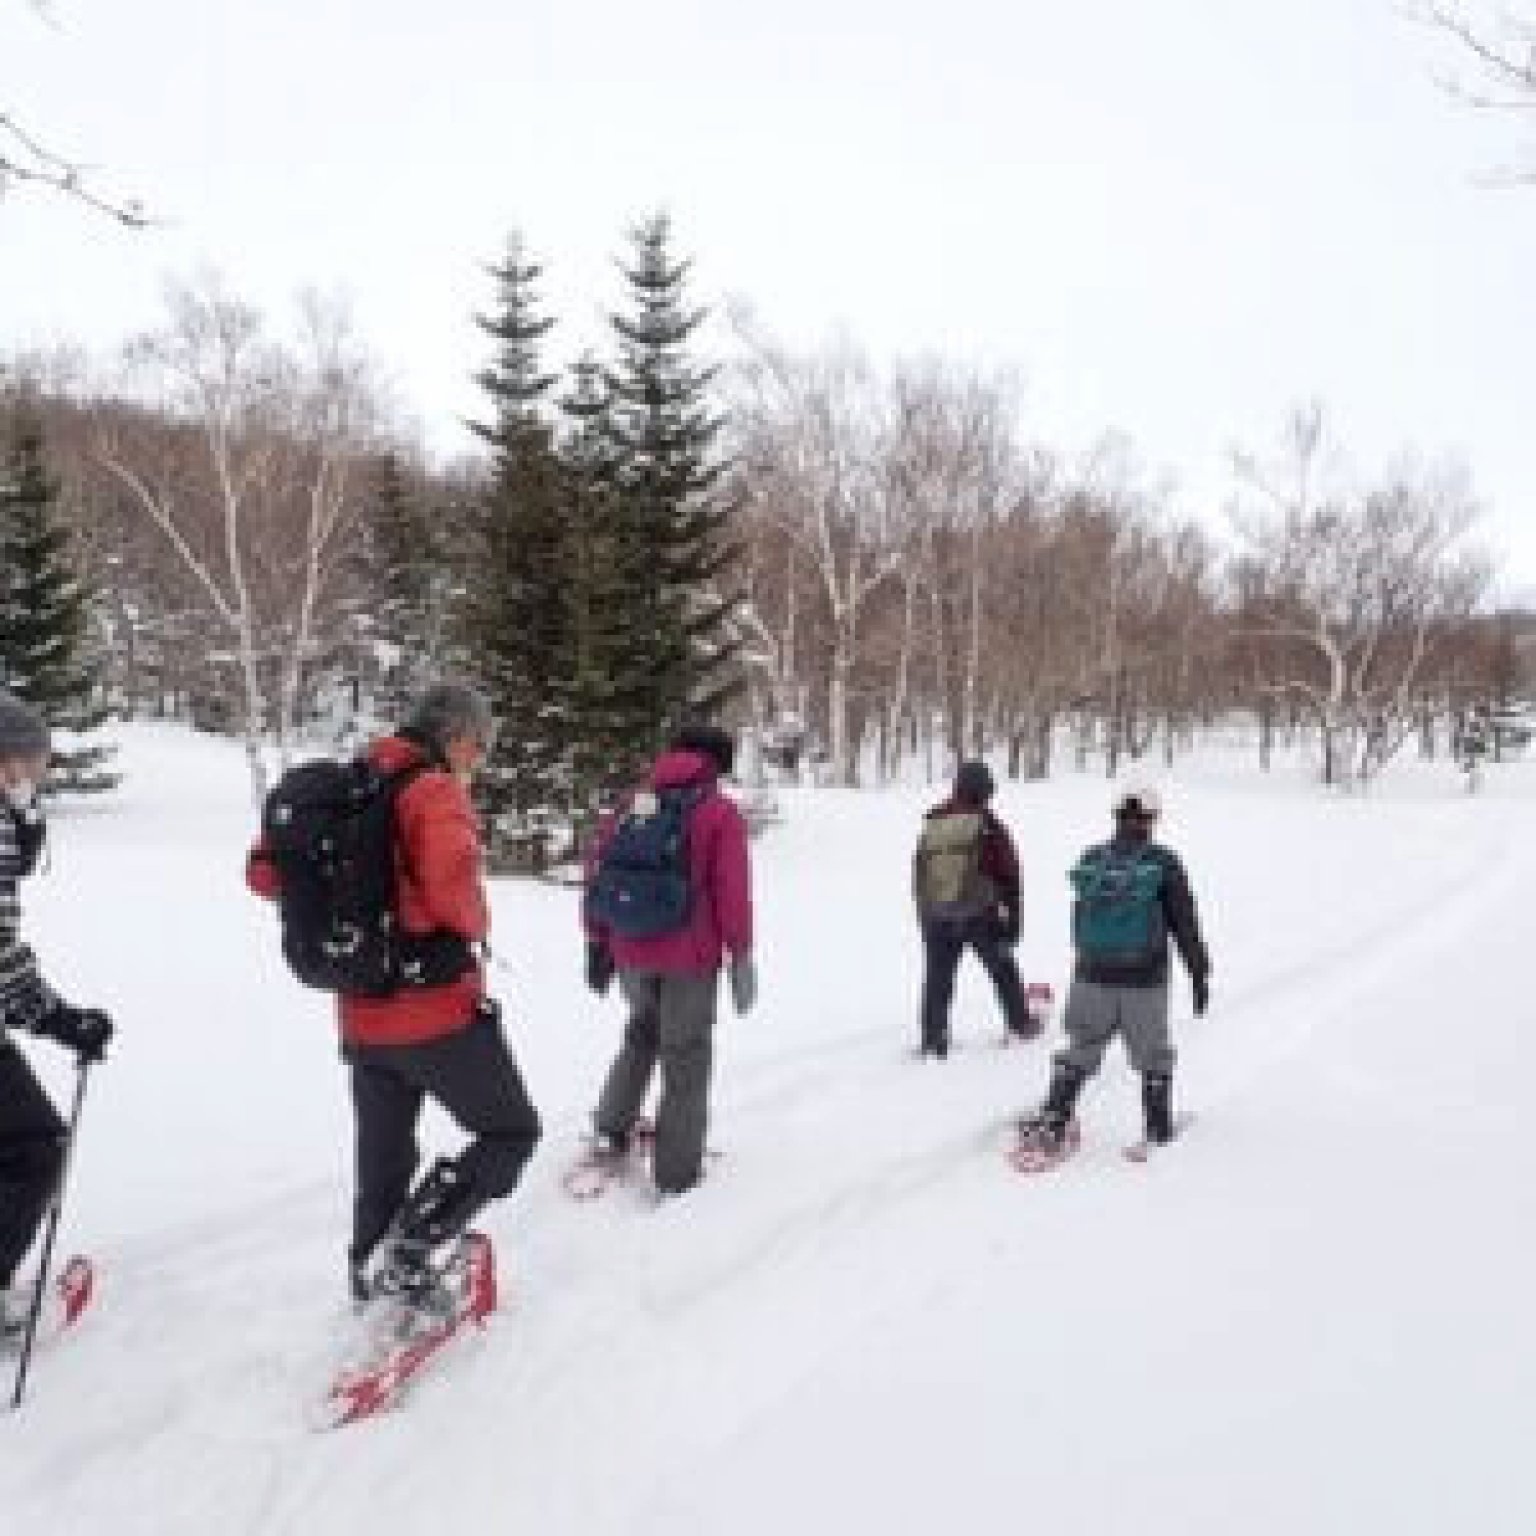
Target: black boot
{"points": [[1061, 1097], [1157, 1107], [1047, 1127], [440, 1207], [359, 1284]]}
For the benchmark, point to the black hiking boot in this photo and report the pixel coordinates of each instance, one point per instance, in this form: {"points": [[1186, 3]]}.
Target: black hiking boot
{"points": [[1043, 1133], [1157, 1107], [440, 1207], [13, 1319], [1047, 1127], [608, 1147]]}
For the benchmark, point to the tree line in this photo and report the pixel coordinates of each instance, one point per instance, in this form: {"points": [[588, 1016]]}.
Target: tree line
{"points": [[870, 566], [925, 581]]}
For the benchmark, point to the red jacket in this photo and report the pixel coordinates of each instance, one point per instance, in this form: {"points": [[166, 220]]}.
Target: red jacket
{"points": [[720, 921], [438, 884]]}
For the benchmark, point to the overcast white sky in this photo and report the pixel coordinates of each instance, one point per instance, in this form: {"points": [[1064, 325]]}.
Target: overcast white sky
{"points": [[1173, 218]]}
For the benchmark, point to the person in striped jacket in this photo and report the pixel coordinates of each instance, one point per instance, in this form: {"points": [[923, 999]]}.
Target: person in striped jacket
{"points": [[31, 1133]]}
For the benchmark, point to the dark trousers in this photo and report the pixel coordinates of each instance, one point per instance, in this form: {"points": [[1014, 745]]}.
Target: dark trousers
{"points": [[943, 948], [31, 1155], [472, 1075]]}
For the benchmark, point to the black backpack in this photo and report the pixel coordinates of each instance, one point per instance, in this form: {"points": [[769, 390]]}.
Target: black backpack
{"points": [[329, 828], [642, 887]]}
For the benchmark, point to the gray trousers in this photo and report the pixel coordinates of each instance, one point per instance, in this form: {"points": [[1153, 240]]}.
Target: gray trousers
{"points": [[1096, 1013], [671, 1022]]}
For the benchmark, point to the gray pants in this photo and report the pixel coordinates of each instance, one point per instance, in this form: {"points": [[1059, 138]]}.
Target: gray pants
{"points": [[1096, 1013], [671, 1021]]}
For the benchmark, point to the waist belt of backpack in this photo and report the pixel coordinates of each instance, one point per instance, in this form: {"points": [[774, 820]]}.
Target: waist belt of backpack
{"points": [[433, 959]]}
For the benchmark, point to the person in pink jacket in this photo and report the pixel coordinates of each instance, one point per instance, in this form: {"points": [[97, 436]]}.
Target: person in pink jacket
{"points": [[670, 978]]}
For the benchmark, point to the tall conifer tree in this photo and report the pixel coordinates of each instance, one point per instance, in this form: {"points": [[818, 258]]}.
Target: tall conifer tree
{"points": [[513, 628], [404, 579], [606, 684], [45, 650], [664, 434]]}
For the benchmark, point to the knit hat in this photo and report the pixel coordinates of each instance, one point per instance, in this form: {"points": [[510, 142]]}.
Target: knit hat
{"points": [[973, 783], [710, 741], [446, 711], [22, 731], [1141, 801]]}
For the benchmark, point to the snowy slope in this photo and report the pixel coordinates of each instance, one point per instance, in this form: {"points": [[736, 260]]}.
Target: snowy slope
{"points": [[1313, 1316]]}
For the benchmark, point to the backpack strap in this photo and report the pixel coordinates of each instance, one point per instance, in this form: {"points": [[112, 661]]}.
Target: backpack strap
{"points": [[424, 959]]}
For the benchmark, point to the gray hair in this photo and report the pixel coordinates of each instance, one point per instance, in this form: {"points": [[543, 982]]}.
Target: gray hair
{"points": [[23, 732], [446, 711]]}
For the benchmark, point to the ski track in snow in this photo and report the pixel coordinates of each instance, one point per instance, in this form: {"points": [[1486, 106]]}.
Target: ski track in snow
{"points": [[860, 1266]]}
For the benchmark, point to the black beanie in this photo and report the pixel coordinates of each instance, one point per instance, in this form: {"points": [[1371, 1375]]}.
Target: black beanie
{"points": [[710, 741], [973, 783]]}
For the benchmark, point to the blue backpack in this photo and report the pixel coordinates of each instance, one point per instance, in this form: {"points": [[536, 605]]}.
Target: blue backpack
{"points": [[1117, 919], [642, 888]]}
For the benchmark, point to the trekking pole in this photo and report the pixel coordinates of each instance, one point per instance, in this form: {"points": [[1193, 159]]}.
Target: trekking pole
{"points": [[56, 1206]]}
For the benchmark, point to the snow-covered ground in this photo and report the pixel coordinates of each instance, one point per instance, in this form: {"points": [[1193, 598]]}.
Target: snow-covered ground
{"points": [[1314, 1317]]}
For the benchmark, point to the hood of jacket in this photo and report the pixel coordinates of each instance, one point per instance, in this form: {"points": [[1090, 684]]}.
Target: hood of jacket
{"points": [[681, 769]]}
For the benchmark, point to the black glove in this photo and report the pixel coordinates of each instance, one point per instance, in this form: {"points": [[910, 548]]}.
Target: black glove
{"points": [[599, 967], [85, 1031], [31, 833], [1201, 986]]}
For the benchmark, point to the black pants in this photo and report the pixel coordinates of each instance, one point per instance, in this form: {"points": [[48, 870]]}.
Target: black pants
{"points": [[944, 947], [472, 1075], [31, 1155]]}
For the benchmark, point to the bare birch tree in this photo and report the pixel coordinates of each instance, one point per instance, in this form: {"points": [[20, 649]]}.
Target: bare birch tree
{"points": [[1361, 581], [253, 502], [812, 439]]}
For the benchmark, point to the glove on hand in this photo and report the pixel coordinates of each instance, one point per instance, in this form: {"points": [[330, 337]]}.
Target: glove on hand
{"points": [[85, 1031], [1201, 986], [31, 831], [599, 967], [743, 983]]}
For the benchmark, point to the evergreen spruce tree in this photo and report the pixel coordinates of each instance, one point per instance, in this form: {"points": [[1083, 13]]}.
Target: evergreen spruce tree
{"points": [[605, 682], [513, 613], [45, 648], [681, 603], [403, 586]]}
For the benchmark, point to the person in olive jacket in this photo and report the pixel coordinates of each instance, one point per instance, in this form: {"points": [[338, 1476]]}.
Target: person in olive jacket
{"points": [[967, 890]]}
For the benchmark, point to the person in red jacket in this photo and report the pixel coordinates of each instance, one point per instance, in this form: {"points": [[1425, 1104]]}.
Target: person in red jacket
{"points": [[442, 1041], [670, 980], [965, 883]]}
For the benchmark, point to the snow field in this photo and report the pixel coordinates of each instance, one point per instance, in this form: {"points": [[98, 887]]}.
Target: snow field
{"points": [[1313, 1315]]}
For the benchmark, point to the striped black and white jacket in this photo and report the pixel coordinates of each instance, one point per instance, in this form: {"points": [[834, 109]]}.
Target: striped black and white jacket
{"points": [[24, 996]]}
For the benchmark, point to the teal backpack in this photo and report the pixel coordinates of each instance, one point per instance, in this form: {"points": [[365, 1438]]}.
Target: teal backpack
{"points": [[1117, 919]]}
